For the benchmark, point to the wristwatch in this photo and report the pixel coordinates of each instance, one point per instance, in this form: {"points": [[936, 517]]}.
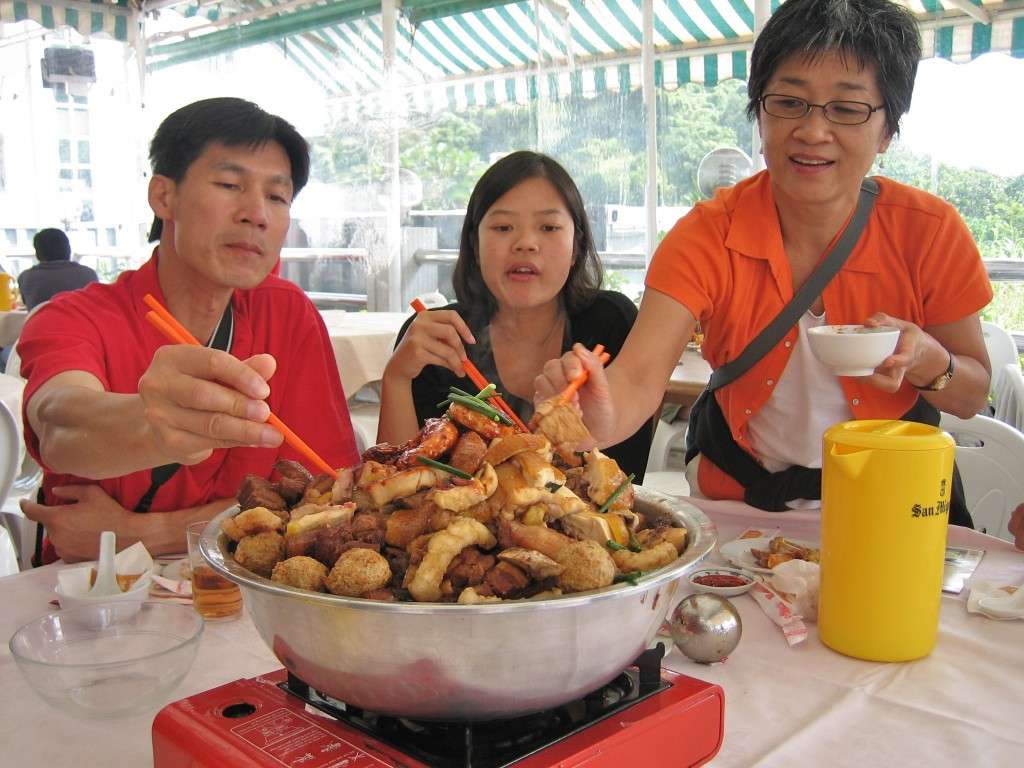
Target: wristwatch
{"points": [[940, 381]]}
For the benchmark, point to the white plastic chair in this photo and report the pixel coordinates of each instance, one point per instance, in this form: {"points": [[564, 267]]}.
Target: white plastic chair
{"points": [[1009, 395], [992, 468], [364, 418], [666, 435], [1002, 351], [15, 524], [10, 450]]}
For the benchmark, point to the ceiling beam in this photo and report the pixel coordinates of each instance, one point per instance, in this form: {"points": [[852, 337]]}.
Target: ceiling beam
{"points": [[972, 10]]}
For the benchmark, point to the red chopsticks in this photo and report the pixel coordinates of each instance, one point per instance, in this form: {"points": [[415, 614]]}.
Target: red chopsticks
{"points": [[478, 379], [580, 380], [176, 332]]}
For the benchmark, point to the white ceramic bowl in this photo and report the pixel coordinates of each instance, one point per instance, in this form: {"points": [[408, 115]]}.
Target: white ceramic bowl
{"points": [[108, 659], [696, 576], [75, 597], [852, 350]]}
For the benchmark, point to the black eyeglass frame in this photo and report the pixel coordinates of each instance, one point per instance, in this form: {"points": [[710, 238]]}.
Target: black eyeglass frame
{"points": [[823, 107]]}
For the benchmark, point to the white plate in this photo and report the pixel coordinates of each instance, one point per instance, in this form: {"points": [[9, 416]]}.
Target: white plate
{"points": [[737, 551]]}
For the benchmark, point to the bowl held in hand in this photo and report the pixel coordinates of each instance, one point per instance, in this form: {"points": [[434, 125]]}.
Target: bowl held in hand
{"points": [[852, 350]]}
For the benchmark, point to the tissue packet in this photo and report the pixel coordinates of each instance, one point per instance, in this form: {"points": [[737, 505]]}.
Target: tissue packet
{"points": [[798, 583]]}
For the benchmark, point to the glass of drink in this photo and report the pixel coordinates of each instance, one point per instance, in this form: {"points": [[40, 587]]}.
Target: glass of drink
{"points": [[214, 597]]}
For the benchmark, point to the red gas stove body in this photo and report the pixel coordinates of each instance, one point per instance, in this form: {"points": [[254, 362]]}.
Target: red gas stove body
{"points": [[256, 723]]}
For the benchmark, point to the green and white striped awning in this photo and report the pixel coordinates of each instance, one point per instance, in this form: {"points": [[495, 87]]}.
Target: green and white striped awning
{"points": [[458, 53], [113, 18]]}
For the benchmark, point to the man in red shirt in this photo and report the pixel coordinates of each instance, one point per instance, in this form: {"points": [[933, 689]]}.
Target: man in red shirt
{"points": [[123, 421]]}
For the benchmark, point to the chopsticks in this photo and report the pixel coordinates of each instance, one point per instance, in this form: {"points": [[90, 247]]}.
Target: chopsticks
{"points": [[174, 331], [580, 380], [478, 379]]}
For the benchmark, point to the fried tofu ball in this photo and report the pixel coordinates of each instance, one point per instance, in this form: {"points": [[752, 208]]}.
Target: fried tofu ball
{"points": [[260, 553], [250, 522], [587, 566], [302, 572], [357, 572]]}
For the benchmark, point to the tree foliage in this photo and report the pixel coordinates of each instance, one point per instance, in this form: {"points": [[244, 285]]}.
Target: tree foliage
{"points": [[601, 142]]}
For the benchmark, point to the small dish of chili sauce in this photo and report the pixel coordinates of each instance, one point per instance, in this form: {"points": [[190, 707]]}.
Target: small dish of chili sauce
{"points": [[723, 581]]}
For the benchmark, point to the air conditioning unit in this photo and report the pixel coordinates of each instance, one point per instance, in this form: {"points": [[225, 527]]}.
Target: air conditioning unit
{"points": [[76, 67]]}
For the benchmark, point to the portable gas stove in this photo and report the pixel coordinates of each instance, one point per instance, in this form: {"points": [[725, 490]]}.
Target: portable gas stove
{"points": [[646, 717]]}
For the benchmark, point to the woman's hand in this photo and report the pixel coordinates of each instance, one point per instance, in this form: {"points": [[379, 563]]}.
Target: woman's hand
{"points": [[74, 528], [436, 337], [594, 398], [918, 357]]}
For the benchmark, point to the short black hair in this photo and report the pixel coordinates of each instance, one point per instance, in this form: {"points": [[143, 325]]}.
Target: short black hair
{"points": [[585, 274], [876, 32], [186, 132], [51, 245]]}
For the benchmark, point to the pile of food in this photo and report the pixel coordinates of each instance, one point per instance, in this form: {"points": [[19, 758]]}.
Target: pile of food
{"points": [[782, 550], [469, 511]]}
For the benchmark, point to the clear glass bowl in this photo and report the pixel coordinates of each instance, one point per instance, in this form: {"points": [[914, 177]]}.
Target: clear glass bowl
{"points": [[109, 659]]}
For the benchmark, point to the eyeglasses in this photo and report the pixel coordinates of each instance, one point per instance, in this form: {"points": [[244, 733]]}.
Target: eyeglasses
{"points": [[840, 112]]}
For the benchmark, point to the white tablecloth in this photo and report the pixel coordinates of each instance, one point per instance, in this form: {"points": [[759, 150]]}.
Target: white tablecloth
{"points": [[802, 706], [362, 344], [808, 705]]}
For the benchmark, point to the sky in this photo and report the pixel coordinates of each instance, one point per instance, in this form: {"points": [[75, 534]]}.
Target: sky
{"points": [[969, 115]]}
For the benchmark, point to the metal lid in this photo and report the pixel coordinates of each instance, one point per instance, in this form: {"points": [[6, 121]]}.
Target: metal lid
{"points": [[888, 434]]}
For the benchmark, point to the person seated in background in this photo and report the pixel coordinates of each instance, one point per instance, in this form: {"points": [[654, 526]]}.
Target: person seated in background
{"points": [[55, 272], [121, 420], [527, 283], [829, 82]]}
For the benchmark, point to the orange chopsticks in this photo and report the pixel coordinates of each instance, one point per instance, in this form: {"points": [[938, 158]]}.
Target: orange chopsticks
{"points": [[176, 332], [478, 379], [580, 380]]}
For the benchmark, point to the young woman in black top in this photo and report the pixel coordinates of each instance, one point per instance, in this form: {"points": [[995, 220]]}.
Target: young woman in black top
{"points": [[528, 287]]}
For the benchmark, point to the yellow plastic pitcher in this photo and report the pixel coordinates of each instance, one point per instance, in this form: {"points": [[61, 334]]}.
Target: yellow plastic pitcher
{"points": [[885, 493], [6, 295]]}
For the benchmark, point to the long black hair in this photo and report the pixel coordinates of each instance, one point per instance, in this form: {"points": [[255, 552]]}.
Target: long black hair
{"points": [[585, 274]]}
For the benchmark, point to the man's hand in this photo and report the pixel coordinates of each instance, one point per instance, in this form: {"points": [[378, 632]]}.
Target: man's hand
{"points": [[74, 528], [198, 399]]}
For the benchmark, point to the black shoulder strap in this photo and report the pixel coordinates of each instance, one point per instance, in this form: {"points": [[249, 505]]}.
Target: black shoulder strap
{"points": [[221, 339], [804, 297]]}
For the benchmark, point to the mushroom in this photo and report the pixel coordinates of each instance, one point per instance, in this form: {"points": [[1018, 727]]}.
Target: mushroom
{"points": [[539, 566]]}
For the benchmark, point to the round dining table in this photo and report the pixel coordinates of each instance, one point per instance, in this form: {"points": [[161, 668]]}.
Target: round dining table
{"points": [[801, 705], [362, 343]]}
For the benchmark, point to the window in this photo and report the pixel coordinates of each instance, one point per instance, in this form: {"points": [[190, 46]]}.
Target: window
{"points": [[74, 173], [12, 236], [111, 236]]}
